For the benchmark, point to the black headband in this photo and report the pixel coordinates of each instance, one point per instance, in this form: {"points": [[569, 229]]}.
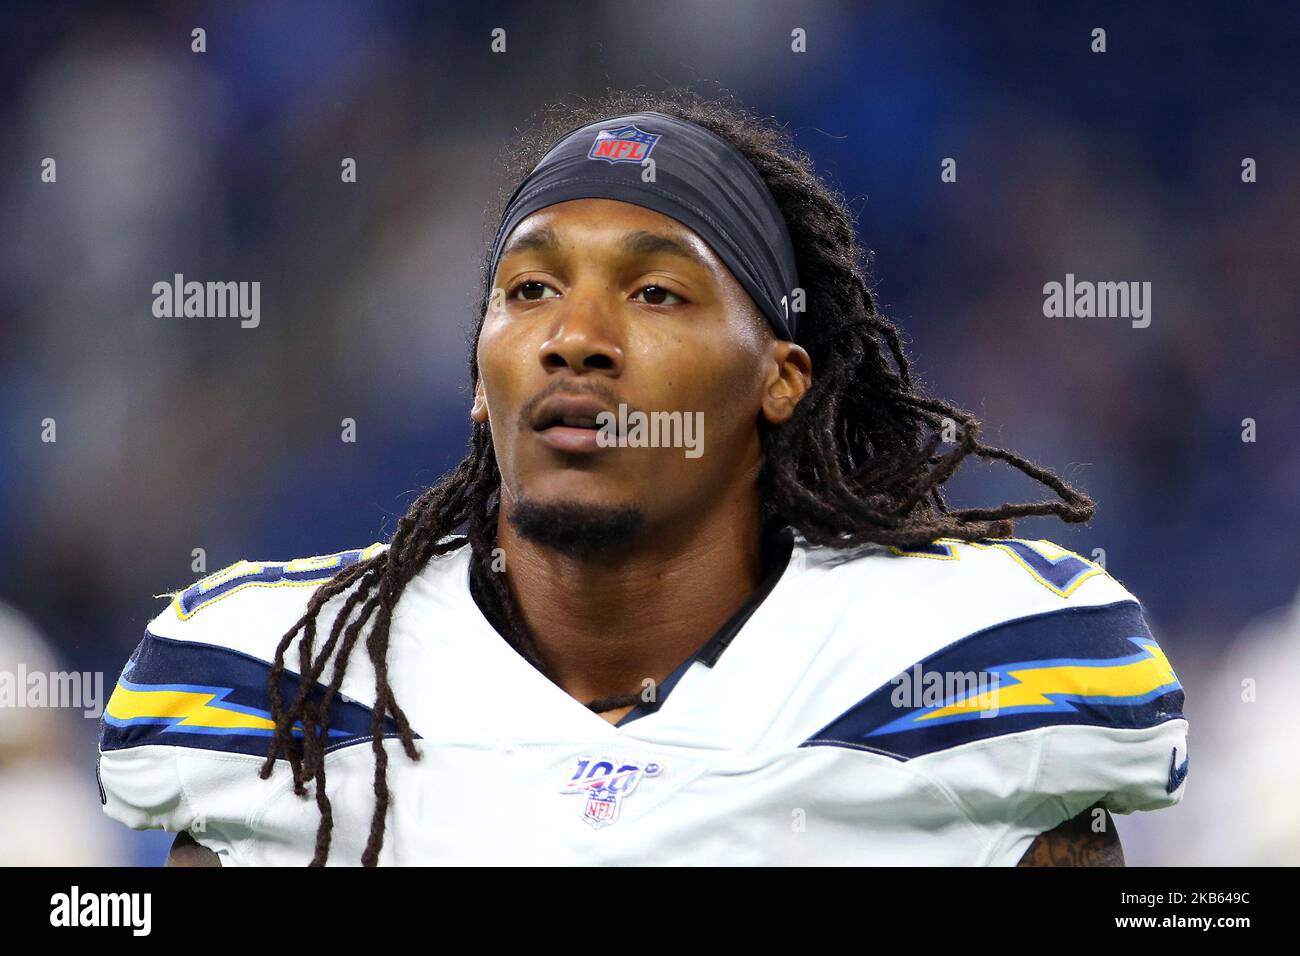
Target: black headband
{"points": [[701, 180]]}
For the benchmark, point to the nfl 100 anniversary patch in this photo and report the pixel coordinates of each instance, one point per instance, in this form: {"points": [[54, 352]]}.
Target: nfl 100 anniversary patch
{"points": [[605, 787]]}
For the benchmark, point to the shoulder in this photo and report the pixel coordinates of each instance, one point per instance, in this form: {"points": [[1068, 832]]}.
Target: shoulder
{"points": [[1004, 574], [200, 675], [975, 605], [1044, 636], [1010, 660], [198, 683], [244, 604], [973, 599]]}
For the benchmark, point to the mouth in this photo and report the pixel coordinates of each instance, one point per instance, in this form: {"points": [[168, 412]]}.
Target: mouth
{"points": [[569, 423]]}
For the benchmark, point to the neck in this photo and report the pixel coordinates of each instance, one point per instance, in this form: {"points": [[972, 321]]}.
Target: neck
{"points": [[604, 625]]}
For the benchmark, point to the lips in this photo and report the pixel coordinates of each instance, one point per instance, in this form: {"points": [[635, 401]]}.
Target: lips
{"points": [[568, 422], [570, 411], [572, 421]]}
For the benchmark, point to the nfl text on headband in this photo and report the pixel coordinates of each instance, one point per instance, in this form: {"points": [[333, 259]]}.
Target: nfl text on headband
{"points": [[700, 180]]}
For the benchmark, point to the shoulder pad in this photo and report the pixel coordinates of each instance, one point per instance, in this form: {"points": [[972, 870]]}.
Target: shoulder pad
{"points": [[997, 637], [200, 678], [241, 605]]}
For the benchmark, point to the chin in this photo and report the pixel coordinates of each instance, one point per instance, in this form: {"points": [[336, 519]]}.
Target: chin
{"points": [[574, 527]]}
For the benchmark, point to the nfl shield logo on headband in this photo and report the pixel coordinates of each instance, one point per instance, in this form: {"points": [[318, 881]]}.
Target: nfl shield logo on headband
{"points": [[625, 144]]}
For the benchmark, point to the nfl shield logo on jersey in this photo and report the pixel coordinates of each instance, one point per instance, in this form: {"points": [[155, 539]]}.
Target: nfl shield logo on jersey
{"points": [[625, 144], [605, 787]]}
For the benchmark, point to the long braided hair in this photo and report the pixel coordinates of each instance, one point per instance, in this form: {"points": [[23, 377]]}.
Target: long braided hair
{"points": [[861, 460]]}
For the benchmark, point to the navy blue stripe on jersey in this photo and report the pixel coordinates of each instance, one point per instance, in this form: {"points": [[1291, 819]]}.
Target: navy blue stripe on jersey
{"points": [[185, 694], [1097, 666]]}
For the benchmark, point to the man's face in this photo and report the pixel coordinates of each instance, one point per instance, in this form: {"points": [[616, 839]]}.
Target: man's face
{"points": [[599, 303]]}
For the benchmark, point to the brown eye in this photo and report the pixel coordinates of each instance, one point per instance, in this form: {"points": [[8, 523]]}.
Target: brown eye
{"points": [[659, 292], [529, 287]]}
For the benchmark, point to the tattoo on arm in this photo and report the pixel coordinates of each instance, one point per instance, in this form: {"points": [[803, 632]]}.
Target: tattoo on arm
{"points": [[1079, 842]]}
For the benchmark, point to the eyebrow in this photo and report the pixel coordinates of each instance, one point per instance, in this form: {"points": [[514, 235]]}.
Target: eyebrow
{"points": [[640, 242], [539, 240], [650, 243]]}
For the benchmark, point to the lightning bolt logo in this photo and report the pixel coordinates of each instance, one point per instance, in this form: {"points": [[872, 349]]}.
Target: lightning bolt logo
{"points": [[1053, 686], [189, 708]]}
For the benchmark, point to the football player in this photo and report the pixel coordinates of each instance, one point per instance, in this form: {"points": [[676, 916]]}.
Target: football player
{"points": [[608, 638]]}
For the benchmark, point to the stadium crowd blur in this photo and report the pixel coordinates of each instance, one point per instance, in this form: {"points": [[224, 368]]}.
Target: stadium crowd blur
{"points": [[178, 434]]}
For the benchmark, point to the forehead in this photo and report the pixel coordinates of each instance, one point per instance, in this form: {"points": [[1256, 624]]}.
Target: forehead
{"points": [[620, 226]]}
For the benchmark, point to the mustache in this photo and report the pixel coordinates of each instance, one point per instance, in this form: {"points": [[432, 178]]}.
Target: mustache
{"points": [[597, 390]]}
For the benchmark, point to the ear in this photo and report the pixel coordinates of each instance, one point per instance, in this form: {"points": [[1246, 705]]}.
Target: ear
{"points": [[479, 410], [788, 379]]}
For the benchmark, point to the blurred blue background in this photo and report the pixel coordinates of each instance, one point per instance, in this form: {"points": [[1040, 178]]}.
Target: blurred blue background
{"points": [[176, 434]]}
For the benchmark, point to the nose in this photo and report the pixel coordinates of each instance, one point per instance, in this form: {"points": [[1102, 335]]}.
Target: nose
{"points": [[585, 337]]}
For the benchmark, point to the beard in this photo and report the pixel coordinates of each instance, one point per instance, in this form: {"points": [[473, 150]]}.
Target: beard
{"points": [[578, 531]]}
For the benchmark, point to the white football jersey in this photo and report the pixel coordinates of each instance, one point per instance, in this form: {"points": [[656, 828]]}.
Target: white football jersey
{"points": [[941, 706]]}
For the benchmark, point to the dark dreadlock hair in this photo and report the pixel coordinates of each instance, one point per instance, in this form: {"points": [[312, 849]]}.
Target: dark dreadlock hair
{"points": [[860, 460]]}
